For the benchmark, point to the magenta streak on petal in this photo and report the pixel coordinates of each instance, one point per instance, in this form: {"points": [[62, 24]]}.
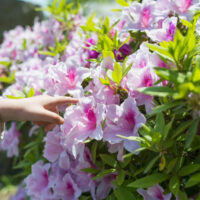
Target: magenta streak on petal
{"points": [[142, 63], [45, 178], [159, 195], [130, 118], [145, 19], [89, 112], [147, 80], [70, 189], [71, 75], [171, 32], [186, 5]]}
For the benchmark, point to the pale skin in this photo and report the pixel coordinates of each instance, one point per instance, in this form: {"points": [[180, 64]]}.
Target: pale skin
{"points": [[41, 110]]}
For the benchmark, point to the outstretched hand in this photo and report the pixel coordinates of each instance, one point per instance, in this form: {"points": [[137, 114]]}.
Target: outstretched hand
{"points": [[42, 110]]}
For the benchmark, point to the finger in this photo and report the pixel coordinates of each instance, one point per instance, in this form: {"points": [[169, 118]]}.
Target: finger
{"points": [[49, 127], [51, 117], [63, 100], [40, 123]]}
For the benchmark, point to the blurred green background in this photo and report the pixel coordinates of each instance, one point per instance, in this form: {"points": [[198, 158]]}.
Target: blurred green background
{"points": [[21, 12]]}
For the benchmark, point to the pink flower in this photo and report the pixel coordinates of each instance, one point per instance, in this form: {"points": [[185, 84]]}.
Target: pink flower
{"points": [[67, 189], [66, 78], [53, 148], [105, 186], [82, 121], [154, 193], [138, 78], [166, 32], [185, 8], [140, 16], [37, 183], [10, 141], [124, 120], [141, 58]]}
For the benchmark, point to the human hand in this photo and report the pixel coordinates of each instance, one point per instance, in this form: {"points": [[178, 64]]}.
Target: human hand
{"points": [[42, 110]]}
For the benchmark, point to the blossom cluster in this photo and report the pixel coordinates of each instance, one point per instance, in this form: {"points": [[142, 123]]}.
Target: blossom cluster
{"points": [[103, 114]]}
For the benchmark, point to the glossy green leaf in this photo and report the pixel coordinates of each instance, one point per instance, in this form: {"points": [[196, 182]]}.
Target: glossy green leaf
{"points": [[189, 169], [123, 193], [172, 76], [157, 91], [191, 133], [174, 185], [164, 52], [108, 159], [122, 3], [151, 164], [149, 181], [120, 177], [117, 73], [194, 180]]}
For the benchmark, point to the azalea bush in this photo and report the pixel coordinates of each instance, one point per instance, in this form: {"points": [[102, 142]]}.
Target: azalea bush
{"points": [[135, 132]]}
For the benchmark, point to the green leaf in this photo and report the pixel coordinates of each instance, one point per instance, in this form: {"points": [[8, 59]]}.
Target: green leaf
{"points": [[186, 23], [5, 63], [160, 123], [181, 128], [196, 72], [164, 52], [108, 54], [47, 53], [106, 25], [120, 177], [105, 81], [157, 91], [109, 159], [104, 173], [123, 193], [24, 44], [191, 133], [122, 3], [167, 128], [182, 196], [134, 152], [189, 169], [174, 185], [126, 70], [90, 170], [172, 76], [31, 93], [149, 181], [13, 97], [151, 164], [117, 73], [133, 138], [164, 107], [194, 180], [94, 151]]}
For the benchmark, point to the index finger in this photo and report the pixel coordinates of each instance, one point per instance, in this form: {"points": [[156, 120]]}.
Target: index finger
{"points": [[63, 100]]}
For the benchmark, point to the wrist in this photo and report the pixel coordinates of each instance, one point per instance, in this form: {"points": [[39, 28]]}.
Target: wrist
{"points": [[10, 109]]}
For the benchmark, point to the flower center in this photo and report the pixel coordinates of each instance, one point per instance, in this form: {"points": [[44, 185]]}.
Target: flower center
{"points": [[90, 115], [142, 63], [147, 81], [70, 189], [45, 178], [71, 75], [171, 32], [130, 118]]}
